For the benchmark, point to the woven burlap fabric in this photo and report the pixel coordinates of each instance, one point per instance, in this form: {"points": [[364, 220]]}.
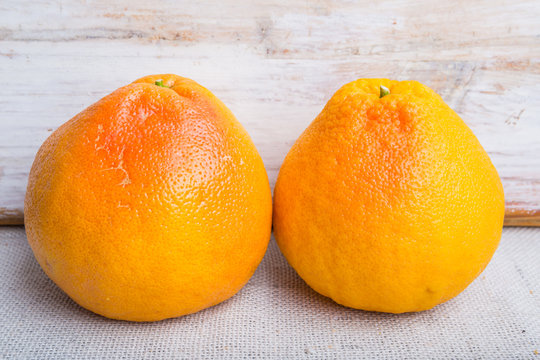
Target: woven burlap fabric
{"points": [[277, 316]]}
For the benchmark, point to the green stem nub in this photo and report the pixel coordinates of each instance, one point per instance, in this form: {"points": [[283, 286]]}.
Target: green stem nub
{"points": [[160, 83], [384, 91]]}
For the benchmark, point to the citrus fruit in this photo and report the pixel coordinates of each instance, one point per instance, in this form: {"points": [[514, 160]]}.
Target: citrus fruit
{"points": [[150, 204], [387, 202]]}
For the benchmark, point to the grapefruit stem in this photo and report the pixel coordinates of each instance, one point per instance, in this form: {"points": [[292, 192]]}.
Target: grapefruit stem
{"points": [[160, 83], [384, 91]]}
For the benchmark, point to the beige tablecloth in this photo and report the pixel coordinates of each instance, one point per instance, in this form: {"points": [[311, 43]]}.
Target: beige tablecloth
{"points": [[277, 316]]}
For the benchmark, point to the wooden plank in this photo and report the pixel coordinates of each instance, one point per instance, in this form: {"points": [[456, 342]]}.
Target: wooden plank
{"points": [[518, 217], [275, 64]]}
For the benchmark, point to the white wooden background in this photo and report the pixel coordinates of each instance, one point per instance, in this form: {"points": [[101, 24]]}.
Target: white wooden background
{"points": [[275, 64]]}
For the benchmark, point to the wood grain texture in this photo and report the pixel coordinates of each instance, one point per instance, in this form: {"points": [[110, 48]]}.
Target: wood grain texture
{"points": [[275, 64]]}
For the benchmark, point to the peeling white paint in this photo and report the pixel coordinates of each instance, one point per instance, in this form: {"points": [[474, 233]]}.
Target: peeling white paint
{"points": [[275, 64]]}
